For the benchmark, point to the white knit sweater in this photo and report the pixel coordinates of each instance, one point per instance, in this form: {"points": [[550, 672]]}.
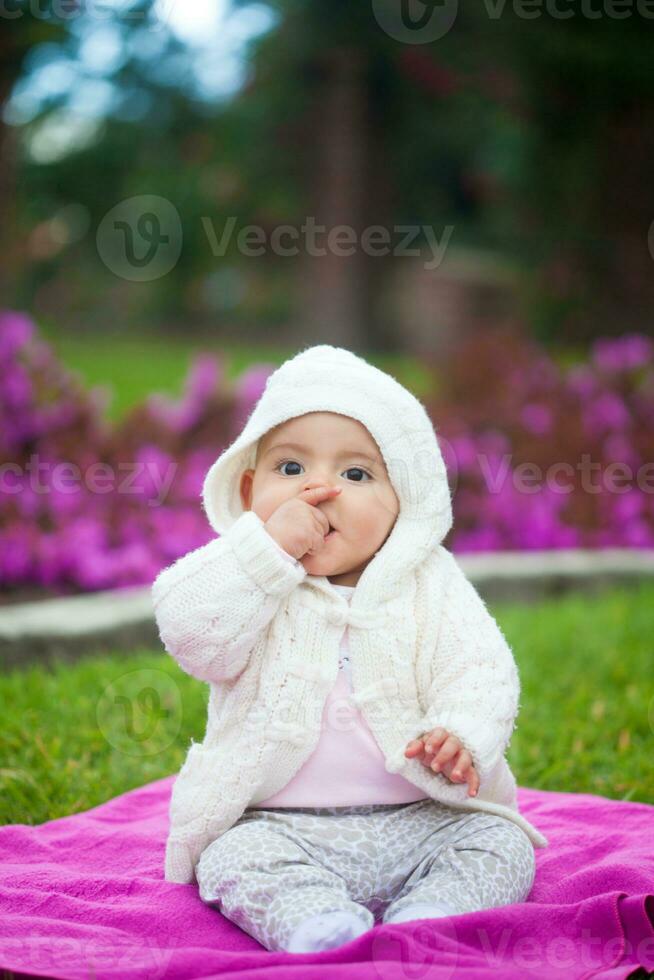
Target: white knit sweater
{"points": [[265, 636]]}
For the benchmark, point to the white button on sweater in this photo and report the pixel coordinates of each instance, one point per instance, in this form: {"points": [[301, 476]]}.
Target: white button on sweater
{"points": [[265, 636]]}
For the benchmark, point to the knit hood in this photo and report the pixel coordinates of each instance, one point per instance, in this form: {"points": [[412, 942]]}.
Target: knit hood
{"points": [[333, 379]]}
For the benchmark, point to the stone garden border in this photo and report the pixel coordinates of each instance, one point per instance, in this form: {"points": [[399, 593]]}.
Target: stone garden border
{"points": [[122, 619]]}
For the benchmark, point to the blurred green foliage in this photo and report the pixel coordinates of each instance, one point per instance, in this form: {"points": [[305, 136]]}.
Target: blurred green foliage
{"points": [[531, 135]]}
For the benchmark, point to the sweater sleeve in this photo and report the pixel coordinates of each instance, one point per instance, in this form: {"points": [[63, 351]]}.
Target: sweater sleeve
{"points": [[212, 604], [475, 688], [283, 553]]}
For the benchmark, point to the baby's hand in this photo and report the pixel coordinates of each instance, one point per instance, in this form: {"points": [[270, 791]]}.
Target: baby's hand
{"points": [[298, 525], [453, 759]]}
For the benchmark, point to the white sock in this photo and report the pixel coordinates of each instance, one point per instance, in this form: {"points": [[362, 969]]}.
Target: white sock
{"points": [[421, 910], [326, 930]]}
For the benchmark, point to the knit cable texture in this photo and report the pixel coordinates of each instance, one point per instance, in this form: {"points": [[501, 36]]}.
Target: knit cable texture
{"points": [[214, 608], [242, 617]]}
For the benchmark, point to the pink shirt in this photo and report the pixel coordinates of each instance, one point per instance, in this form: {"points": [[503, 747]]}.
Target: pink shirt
{"points": [[346, 768]]}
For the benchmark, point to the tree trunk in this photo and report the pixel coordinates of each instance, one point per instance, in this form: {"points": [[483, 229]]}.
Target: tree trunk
{"points": [[334, 305], [10, 245]]}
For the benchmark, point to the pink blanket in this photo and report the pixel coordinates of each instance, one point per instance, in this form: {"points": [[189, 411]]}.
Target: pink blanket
{"points": [[85, 897]]}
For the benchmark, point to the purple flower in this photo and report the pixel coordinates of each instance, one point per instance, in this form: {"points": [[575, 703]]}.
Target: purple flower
{"points": [[638, 534], [190, 479], [581, 381], [90, 540], [205, 377], [618, 448], [479, 539], [622, 354], [250, 385], [248, 390], [16, 554], [537, 418], [463, 450], [16, 330], [15, 388], [607, 411], [492, 442], [95, 570], [201, 385], [627, 506], [152, 474]]}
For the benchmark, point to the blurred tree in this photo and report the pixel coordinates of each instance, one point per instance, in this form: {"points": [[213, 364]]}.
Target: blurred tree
{"points": [[134, 141], [369, 131], [333, 123], [581, 196], [17, 37], [533, 137]]}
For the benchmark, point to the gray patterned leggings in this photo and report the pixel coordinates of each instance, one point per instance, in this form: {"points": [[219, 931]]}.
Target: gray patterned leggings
{"points": [[276, 867]]}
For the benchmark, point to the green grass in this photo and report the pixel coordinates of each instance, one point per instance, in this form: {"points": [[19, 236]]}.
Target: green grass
{"points": [[134, 366], [76, 735]]}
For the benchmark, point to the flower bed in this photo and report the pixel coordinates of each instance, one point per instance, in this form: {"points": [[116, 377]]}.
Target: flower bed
{"points": [[543, 457], [86, 505]]}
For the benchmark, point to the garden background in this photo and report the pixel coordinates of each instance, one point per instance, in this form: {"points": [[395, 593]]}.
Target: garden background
{"points": [[487, 212]]}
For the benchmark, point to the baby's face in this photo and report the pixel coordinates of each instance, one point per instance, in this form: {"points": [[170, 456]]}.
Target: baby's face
{"points": [[333, 450]]}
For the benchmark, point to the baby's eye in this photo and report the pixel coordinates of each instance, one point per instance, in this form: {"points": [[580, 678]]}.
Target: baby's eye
{"points": [[287, 462], [350, 469], [358, 469]]}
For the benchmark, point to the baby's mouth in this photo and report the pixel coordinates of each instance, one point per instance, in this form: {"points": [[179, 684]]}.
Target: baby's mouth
{"points": [[332, 531]]}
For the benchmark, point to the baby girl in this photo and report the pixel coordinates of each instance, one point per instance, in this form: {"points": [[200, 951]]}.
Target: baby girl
{"points": [[361, 695]]}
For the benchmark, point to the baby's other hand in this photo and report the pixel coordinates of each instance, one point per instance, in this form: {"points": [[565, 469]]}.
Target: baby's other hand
{"points": [[451, 758]]}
